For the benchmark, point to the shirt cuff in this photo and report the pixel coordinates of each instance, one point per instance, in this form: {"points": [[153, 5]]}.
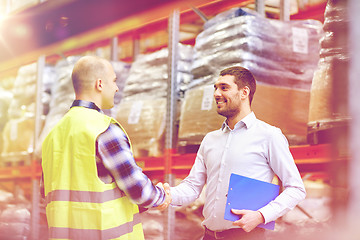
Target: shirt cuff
{"points": [[175, 201], [267, 213], [161, 198]]}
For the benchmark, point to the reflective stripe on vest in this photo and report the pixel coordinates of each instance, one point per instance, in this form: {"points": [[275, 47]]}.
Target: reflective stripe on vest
{"points": [[94, 234], [83, 196]]}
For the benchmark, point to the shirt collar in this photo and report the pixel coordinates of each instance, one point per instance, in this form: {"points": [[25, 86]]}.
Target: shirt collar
{"points": [[247, 121], [86, 104]]}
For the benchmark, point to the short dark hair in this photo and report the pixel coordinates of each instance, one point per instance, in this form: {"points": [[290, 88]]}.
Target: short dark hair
{"points": [[243, 77]]}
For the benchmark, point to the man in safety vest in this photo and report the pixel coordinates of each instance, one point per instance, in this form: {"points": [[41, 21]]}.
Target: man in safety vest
{"points": [[92, 184]]}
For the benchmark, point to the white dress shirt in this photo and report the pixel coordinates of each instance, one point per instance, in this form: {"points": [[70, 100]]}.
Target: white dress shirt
{"points": [[253, 149]]}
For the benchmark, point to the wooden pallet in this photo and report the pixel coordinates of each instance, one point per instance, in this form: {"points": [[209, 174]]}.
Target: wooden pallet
{"points": [[327, 131]]}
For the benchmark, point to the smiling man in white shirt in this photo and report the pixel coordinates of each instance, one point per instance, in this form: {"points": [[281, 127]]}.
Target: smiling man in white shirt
{"points": [[246, 146]]}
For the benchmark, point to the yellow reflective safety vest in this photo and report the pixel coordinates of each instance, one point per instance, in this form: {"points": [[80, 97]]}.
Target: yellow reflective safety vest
{"points": [[78, 204]]}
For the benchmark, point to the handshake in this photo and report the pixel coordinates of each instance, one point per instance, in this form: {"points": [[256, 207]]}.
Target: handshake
{"points": [[168, 198]]}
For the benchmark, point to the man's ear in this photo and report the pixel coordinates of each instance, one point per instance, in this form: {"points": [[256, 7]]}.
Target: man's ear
{"points": [[99, 84], [245, 92]]}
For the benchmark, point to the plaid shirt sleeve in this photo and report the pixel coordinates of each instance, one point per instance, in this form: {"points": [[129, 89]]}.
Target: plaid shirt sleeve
{"points": [[113, 149]]}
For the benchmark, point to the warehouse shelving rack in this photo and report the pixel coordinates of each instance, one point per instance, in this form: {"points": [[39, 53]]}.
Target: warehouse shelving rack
{"points": [[308, 158], [315, 159]]}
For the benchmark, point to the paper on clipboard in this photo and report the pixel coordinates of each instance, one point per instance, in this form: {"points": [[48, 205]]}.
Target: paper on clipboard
{"points": [[251, 194]]}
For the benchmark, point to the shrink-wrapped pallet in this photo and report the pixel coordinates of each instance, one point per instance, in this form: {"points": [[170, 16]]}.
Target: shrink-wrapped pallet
{"points": [[276, 52], [329, 90], [19, 130], [145, 98], [281, 55]]}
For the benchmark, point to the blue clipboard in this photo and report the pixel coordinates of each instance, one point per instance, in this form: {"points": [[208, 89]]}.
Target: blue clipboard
{"points": [[251, 194]]}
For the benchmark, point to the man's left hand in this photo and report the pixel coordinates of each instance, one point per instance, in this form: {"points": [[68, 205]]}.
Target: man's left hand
{"points": [[249, 219]]}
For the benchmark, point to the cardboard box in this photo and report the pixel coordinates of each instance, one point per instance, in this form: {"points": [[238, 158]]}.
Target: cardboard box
{"points": [[144, 122]]}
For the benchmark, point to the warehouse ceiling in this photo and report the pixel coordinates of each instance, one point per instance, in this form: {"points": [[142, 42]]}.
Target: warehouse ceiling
{"points": [[54, 21], [56, 27]]}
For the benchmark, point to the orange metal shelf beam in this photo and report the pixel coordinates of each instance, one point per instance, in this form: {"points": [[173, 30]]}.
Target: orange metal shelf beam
{"points": [[311, 12], [308, 158]]}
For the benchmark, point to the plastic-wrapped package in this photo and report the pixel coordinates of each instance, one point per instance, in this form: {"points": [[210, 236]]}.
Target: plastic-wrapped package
{"points": [[149, 72], [5, 197], [14, 216], [332, 72], [146, 79], [121, 70], [5, 98], [7, 83], [15, 213], [281, 48], [24, 91], [336, 28], [321, 93], [277, 77], [205, 80], [49, 78], [145, 98], [229, 14]]}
